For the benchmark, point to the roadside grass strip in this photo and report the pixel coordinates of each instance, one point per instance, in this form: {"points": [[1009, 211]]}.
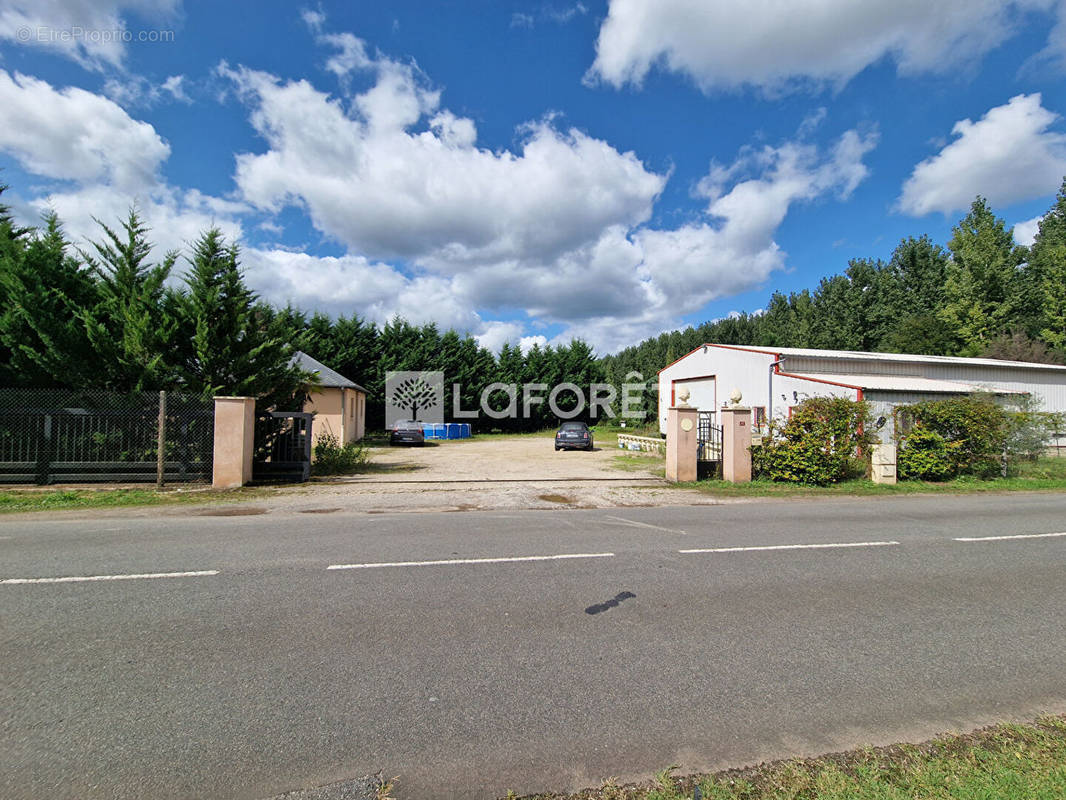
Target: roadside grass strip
{"points": [[757, 548], [448, 562], [1009, 538], [131, 577], [1004, 762]]}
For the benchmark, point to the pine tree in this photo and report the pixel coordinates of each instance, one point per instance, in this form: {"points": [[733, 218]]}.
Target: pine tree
{"points": [[42, 291], [132, 325], [231, 350]]}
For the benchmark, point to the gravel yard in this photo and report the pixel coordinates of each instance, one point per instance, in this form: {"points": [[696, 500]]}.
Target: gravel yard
{"points": [[493, 473]]}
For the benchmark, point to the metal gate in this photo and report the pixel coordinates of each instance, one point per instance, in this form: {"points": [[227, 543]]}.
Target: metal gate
{"points": [[709, 445], [282, 447]]}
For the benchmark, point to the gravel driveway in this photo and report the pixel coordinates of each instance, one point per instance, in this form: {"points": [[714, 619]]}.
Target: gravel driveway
{"points": [[490, 473], [497, 458]]}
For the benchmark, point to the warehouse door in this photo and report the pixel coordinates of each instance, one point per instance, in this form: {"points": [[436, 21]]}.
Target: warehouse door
{"points": [[702, 392]]}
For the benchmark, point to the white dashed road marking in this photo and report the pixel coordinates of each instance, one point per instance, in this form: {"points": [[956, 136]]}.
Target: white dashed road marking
{"points": [[453, 561], [1006, 538], [134, 577], [788, 547]]}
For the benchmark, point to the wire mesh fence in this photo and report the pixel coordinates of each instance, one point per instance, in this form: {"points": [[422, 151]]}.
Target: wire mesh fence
{"points": [[59, 436]]}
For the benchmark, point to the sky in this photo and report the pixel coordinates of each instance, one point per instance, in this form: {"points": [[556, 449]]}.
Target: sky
{"points": [[533, 172]]}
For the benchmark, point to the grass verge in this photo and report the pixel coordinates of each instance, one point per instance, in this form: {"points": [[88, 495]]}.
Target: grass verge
{"points": [[1043, 475], [1003, 762], [19, 500]]}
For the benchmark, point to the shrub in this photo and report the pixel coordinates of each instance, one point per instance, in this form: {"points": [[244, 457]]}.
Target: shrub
{"points": [[926, 456], [819, 444], [332, 458], [975, 428], [1029, 429]]}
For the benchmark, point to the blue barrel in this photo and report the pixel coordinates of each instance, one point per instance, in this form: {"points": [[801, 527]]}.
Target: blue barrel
{"points": [[464, 430], [453, 430]]}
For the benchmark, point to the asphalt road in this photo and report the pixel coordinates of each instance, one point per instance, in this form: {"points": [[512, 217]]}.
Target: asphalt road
{"points": [[266, 672]]}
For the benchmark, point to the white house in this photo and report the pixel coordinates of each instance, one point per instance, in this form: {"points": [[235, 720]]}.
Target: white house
{"points": [[773, 380]]}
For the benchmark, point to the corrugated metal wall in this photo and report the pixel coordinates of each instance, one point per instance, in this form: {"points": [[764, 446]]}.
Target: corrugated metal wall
{"points": [[1048, 386]]}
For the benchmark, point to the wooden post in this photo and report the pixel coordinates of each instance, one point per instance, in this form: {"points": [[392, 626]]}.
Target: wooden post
{"points": [[161, 441]]}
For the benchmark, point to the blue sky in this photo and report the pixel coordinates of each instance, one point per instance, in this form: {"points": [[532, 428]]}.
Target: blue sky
{"points": [[535, 171]]}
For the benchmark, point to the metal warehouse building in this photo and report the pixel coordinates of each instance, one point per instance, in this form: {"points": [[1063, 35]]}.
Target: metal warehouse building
{"points": [[772, 381]]}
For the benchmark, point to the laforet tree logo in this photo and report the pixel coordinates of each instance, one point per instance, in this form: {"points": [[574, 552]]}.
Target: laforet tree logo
{"points": [[414, 395]]}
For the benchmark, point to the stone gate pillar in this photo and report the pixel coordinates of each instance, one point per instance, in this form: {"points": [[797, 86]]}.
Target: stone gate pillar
{"points": [[234, 442], [736, 444], [682, 433]]}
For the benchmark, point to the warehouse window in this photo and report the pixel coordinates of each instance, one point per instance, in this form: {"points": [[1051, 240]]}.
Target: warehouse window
{"points": [[760, 417]]}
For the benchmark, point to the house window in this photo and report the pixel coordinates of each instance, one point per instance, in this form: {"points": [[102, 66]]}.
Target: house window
{"points": [[760, 417]]}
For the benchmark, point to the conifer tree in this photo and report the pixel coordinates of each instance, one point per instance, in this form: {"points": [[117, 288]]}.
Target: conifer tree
{"points": [[230, 350], [132, 325], [42, 289]]}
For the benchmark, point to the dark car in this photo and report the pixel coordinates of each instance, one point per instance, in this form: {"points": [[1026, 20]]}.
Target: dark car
{"points": [[573, 436], [407, 431]]}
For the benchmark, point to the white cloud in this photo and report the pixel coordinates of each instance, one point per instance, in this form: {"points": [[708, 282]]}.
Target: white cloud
{"points": [[554, 232], [555, 229], [175, 86], [495, 333], [526, 342], [556, 15], [92, 32], [390, 174], [313, 19], [1025, 232], [627, 284], [723, 44], [72, 134], [176, 217], [107, 162], [1007, 156]]}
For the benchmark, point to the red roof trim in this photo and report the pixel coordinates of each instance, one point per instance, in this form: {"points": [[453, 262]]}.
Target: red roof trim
{"points": [[682, 358], [776, 355], [822, 380], [724, 347]]}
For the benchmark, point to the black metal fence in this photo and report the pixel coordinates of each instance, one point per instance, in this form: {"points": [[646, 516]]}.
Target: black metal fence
{"points": [[57, 436], [282, 446]]}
